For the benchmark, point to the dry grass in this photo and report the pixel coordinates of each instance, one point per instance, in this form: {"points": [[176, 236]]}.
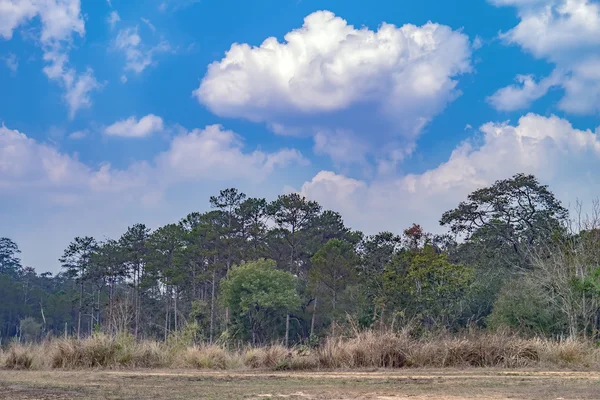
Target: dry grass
{"points": [[18, 357], [403, 384], [208, 357], [365, 350]]}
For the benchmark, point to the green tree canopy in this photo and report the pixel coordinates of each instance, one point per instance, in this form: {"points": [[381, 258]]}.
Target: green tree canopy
{"points": [[508, 217], [9, 260], [256, 293]]}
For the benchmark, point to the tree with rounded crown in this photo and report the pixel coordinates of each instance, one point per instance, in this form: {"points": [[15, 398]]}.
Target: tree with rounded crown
{"points": [[258, 296]]}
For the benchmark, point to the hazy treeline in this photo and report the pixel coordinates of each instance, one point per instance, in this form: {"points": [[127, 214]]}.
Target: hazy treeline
{"points": [[287, 270]]}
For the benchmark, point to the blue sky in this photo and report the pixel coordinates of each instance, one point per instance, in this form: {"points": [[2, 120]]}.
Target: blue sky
{"points": [[117, 112]]}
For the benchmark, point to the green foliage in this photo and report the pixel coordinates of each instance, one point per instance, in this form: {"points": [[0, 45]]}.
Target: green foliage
{"points": [[522, 305], [508, 217], [436, 283], [334, 268], [30, 329], [10, 263], [425, 285], [590, 284], [256, 293]]}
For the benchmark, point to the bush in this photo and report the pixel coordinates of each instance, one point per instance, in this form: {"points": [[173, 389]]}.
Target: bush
{"points": [[208, 357], [30, 329], [107, 352], [368, 349], [19, 357], [265, 357], [522, 305]]}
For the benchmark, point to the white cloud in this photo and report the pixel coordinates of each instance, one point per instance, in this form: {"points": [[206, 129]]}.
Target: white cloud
{"points": [[79, 89], [61, 20], [133, 128], [341, 146], [215, 153], [175, 5], [149, 24], [137, 56], [329, 76], [550, 148], [113, 18], [212, 153], [567, 34], [81, 134], [521, 95], [25, 163], [12, 62]]}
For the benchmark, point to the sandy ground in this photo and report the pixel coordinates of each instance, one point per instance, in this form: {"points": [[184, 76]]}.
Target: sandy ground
{"points": [[447, 384]]}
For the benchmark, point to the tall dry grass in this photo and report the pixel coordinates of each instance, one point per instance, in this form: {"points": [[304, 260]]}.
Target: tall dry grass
{"points": [[364, 350]]}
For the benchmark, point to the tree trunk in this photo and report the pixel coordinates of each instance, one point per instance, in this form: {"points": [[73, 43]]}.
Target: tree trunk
{"points": [[287, 329], [111, 328], [43, 317], [334, 301], [80, 307], [212, 309], [135, 301], [166, 312], [312, 321], [175, 308], [137, 304], [92, 315], [98, 309]]}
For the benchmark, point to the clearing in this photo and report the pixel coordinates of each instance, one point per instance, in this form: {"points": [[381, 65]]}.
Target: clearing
{"points": [[417, 384]]}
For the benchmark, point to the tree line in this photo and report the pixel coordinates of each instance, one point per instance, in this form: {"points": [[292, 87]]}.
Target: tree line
{"points": [[256, 271]]}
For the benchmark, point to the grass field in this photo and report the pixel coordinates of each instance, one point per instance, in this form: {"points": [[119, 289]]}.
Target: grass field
{"points": [[411, 384]]}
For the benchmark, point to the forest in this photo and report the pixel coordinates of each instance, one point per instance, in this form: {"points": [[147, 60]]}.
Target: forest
{"points": [[286, 271]]}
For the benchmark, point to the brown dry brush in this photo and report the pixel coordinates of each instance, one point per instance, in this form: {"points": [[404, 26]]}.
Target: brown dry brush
{"points": [[369, 349]]}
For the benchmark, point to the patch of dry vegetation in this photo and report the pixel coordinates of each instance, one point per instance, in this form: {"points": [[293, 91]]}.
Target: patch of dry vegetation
{"points": [[365, 350]]}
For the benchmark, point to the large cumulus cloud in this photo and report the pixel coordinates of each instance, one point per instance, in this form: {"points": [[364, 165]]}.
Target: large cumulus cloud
{"points": [[342, 84]]}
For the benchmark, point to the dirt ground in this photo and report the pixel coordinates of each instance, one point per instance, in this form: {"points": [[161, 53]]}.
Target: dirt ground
{"points": [[447, 384]]}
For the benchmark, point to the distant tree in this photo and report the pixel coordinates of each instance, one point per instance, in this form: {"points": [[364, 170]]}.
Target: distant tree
{"points": [[510, 216], [134, 250], [333, 268], [257, 295], [29, 329], [77, 261], [109, 270], [205, 254], [252, 214], [10, 263], [376, 252], [523, 305], [228, 201], [293, 213], [438, 286], [165, 263]]}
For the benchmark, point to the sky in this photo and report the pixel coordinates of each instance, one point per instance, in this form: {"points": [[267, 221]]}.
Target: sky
{"points": [[389, 112]]}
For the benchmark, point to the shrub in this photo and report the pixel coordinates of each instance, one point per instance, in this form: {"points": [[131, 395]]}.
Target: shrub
{"points": [[367, 349], [265, 357], [522, 305], [19, 357], [210, 357]]}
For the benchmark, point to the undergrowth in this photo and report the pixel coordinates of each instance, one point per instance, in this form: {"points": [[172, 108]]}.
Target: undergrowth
{"points": [[368, 349]]}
